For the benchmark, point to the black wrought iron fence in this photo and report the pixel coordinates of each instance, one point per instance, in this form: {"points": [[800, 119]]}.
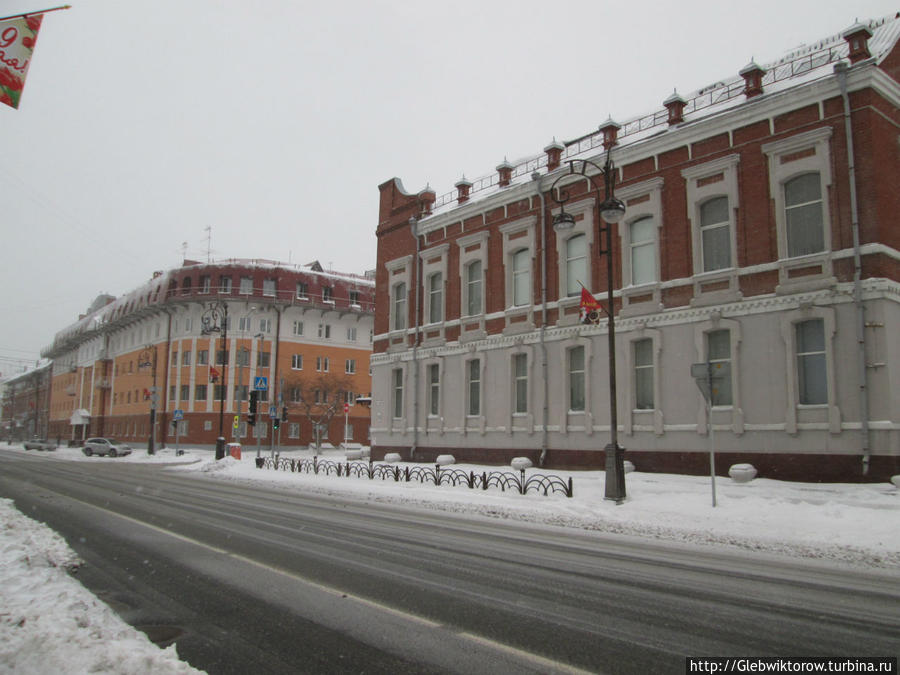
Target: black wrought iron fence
{"points": [[540, 483]]}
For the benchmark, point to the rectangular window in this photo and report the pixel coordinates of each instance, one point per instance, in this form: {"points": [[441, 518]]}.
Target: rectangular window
{"points": [[246, 286], [174, 361], [718, 349], [328, 294], [302, 290], [325, 331], [812, 378], [399, 306], [354, 298], [715, 234], [205, 282], [243, 356], [200, 392], [350, 367], [521, 278], [434, 389], [643, 251], [244, 324], [294, 430], [576, 379], [269, 287], [473, 289], [296, 395], [262, 359], [221, 357], [473, 377], [202, 357], [241, 392], [185, 392], [265, 325], [297, 328], [185, 358], [436, 298], [397, 394], [224, 284], [322, 364], [576, 264], [803, 215], [218, 391], [520, 383], [297, 361], [351, 335], [643, 374]]}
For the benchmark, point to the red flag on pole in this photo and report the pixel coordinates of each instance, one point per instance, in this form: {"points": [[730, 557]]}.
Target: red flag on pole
{"points": [[17, 39], [590, 308], [213, 374]]}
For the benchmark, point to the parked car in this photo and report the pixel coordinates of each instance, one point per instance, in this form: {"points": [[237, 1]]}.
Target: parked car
{"points": [[105, 446], [40, 444]]}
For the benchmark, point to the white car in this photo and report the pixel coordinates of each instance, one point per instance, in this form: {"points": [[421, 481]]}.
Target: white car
{"points": [[105, 446]]}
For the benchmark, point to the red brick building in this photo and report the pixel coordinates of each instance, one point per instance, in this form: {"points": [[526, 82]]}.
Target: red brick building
{"points": [[760, 234], [306, 331]]}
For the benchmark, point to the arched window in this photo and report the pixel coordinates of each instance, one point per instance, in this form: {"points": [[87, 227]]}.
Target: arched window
{"points": [[399, 306], [473, 288]]}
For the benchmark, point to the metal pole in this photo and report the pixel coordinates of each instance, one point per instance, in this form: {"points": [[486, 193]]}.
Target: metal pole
{"points": [[615, 456], [154, 397], [709, 427]]}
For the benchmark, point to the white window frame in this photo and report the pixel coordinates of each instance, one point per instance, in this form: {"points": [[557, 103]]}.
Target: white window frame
{"points": [[296, 361], [642, 200], [246, 287], [788, 158], [269, 287]]}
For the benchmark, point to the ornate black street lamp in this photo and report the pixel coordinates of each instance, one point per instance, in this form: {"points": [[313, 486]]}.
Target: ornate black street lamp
{"points": [[612, 211], [215, 320], [147, 359]]}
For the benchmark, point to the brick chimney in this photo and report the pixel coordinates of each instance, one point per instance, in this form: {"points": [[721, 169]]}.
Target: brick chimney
{"points": [[857, 37], [610, 130], [752, 75], [505, 171], [554, 154], [675, 105], [462, 190]]}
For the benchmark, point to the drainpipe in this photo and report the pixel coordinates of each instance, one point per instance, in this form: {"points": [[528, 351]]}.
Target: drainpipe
{"points": [[840, 70], [414, 228], [536, 177]]}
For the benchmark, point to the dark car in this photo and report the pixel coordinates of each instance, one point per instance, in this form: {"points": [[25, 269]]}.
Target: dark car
{"points": [[105, 446]]}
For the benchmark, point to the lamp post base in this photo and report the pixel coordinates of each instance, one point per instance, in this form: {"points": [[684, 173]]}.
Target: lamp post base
{"points": [[615, 473], [220, 447]]}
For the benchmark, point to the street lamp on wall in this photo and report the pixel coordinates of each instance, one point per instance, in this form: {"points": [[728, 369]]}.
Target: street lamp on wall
{"points": [[612, 211], [215, 320]]}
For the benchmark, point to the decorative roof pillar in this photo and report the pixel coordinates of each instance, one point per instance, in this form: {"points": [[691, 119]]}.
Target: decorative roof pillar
{"points": [[462, 189], [675, 105], [554, 154], [505, 171], [426, 199], [610, 130], [857, 37], [752, 74]]}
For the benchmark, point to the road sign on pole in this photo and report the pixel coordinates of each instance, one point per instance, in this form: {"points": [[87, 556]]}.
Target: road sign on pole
{"points": [[708, 377], [261, 383]]}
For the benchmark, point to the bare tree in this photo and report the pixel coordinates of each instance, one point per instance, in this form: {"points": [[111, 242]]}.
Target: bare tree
{"points": [[319, 397]]}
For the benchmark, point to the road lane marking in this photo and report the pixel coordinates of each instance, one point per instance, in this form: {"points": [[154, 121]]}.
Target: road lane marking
{"points": [[542, 662]]}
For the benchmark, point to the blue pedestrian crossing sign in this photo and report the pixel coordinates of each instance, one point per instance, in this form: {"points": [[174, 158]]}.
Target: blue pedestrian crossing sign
{"points": [[178, 415], [261, 383]]}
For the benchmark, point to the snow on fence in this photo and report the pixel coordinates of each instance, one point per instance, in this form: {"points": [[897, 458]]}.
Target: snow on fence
{"points": [[505, 480]]}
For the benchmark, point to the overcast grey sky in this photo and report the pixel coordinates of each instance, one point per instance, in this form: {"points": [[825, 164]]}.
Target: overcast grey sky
{"points": [[273, 122]]}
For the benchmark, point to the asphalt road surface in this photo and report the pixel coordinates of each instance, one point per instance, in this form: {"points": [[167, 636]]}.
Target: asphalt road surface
{"points": [[253, 579]]}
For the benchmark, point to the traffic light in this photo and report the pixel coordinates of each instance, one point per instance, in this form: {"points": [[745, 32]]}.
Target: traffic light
{"points": [[251, 416], [275, 423], [284, 414]]}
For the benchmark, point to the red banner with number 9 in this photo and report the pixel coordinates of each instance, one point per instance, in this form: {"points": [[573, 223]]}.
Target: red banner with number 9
{"points": [[17, 40]]}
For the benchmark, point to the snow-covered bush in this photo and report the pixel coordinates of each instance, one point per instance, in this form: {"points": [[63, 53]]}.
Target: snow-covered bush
{"points": [[742, 473]]}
